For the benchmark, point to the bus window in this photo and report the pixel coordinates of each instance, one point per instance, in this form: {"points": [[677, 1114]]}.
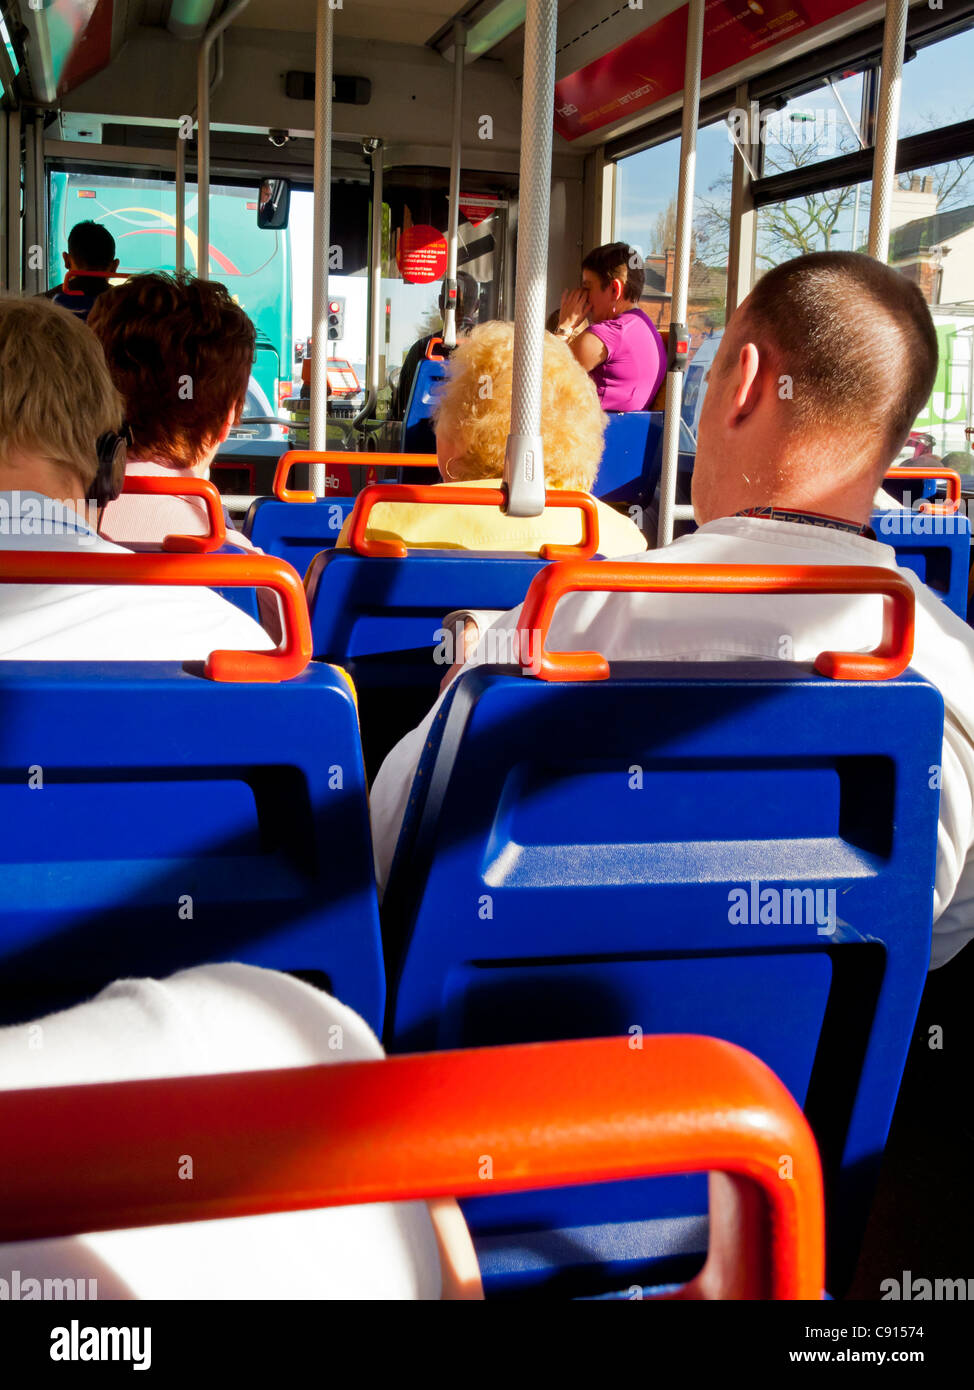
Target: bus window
{"points": [[645, 217], [140, 213]]}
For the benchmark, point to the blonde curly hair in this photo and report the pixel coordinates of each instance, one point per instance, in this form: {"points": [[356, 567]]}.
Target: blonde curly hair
{"points": [[473, 409]]}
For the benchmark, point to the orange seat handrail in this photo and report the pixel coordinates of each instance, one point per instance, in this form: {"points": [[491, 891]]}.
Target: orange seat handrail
{"points": [[919, 473], [888, 659], [206, 571], [288, 460], [431, 356], [419, 1127], [91, 275], [136, 485], [454, 496]]}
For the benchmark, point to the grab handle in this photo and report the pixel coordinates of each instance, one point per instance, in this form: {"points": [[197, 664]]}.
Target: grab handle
{"points": [[184, 487], [217, 571], [362, 544], [295, 456], [888, 659]]}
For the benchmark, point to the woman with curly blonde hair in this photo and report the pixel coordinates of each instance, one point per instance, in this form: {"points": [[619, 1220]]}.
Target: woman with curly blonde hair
{"points": [[472, 418]]}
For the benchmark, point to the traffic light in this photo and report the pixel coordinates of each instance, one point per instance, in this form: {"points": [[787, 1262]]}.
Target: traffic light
{"points": [[336, 319]]}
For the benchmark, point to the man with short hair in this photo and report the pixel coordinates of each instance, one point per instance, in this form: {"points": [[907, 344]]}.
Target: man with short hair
{"points": [[58, 412], [817, 381], [468, 307], [91, 247]]}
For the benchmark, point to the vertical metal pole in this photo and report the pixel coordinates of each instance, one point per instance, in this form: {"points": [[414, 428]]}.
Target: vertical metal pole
{"points": [[681, 271], [4, 204], [375, 271], [30, 208], [450, 285], [318, 408], [743, 218], [524, 456], [40, 202], [13, 203], [180, 202], [203, 139], [887, 128]]}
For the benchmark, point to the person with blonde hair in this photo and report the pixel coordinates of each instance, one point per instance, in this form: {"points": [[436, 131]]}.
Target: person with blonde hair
{"points": [[473, 419], [62, 457]]}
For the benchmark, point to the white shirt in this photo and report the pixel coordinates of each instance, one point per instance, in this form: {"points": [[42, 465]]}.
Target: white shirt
{"points": [[207, 1021], [141, 522], [679, 627], [104, 622]]}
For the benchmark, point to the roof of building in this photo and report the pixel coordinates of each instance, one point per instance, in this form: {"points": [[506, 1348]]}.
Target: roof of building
{"points": [[925, 232]]}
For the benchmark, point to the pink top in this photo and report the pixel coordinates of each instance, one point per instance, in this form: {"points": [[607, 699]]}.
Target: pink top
{"points": [[632, 372], [143, 523]]}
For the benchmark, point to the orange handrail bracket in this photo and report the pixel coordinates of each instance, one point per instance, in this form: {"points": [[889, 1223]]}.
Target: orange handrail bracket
{"points": [[184, 487], [91, 275], [419, 1127], [453, 496], [888, 659], [293, 457], [217, 571], [919, 473], [435, 356]]}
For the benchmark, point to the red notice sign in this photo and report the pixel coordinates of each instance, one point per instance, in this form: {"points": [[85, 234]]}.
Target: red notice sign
{"points": [[421, 255], [649, 67]]}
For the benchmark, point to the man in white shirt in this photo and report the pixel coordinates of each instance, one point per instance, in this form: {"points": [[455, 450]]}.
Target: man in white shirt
{"points": [[60, 415], [818, 379], [208, 1021]]}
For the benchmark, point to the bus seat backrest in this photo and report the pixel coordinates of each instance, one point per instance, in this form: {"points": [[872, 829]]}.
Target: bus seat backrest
{"points": [[631, 458], [382, 619], [593, 858], [936, 546], [659, 400], [296, 531], [195, 822], [417, 436]]}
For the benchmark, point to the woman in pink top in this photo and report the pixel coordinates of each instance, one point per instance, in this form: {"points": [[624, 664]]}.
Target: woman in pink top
{"points": [[620, 349]]}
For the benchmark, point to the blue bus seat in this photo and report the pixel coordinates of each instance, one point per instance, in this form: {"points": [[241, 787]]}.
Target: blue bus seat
{"points": [[382, 620], [632, 457], [566, 869], [160, 837], [296, 531], [936, 546], [417, 436]]}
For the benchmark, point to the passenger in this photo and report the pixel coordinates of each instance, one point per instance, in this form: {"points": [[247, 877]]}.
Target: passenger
{"points": [[60, 454], [180, 352], [621, 349], [208, 1021], [468, 306], [473, 418], [816, 383], [90, 247]]}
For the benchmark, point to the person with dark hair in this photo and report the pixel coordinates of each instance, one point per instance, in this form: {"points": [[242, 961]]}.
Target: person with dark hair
{"points": [[91, 247], [621, 348], [816, 383], [468, 302], [180, 352]]}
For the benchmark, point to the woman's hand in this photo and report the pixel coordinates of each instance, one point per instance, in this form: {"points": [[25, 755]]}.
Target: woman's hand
{"points": [[574, 309]]}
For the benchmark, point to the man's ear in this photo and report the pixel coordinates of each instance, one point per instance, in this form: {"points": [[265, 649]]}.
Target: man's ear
{"points": [[113, 267], [233, 415], [67, 260], [748, 383]]}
